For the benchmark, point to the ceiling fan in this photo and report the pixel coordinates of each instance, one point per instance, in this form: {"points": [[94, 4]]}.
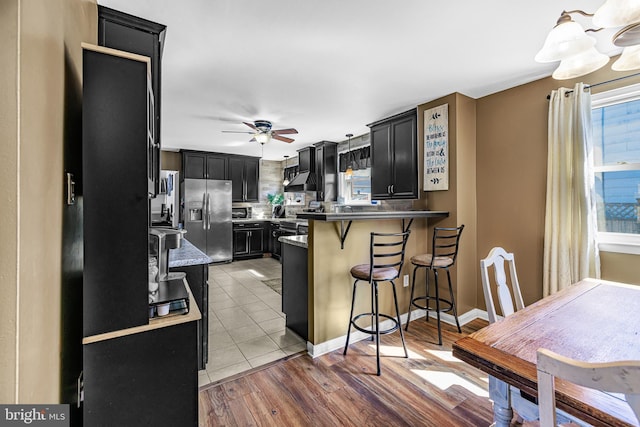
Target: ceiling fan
{"points": [[263, 133]]}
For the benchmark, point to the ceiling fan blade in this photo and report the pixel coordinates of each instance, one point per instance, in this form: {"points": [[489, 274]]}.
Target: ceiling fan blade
{"points": [[251, 125], [281, 138], [252, 140], [235, 131], [285, 131]]}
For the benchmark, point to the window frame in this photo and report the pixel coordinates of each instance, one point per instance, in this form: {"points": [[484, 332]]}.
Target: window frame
{"points": [[609, 241]]}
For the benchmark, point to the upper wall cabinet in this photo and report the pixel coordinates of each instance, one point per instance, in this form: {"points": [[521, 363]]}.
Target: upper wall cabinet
{"points": [[394, 157], [326, 171], [244, 173], [129, 33], [201, 165]]}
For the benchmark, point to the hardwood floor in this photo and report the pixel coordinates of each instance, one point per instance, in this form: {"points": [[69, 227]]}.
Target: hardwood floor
{"points": [[430, 388]]}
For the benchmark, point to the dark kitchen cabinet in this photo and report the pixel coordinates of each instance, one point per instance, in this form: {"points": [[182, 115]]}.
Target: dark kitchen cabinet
{"points": [[394, 157], [326, 171], [201, 165], [307, 159], [295, 292], [118, 30], [135, 371], [142, 379], [248, 240], [115, 127], [244, 173]]}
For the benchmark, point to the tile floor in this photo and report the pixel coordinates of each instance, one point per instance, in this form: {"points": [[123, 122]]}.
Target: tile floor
{"points": [[246, 323]]}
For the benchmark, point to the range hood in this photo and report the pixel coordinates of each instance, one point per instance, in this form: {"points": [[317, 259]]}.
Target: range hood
{"points": [[304, 181]]}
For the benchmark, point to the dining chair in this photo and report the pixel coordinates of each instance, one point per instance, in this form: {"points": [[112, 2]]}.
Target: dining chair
{"points": [[444, 251], [386, 257], [615, 377], [496, 259]]}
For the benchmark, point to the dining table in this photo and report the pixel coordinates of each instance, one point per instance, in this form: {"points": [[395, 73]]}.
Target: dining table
{"points": [[592, 320]]}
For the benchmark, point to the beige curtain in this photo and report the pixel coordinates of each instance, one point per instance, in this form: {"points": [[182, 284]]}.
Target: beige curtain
{"points": [[570, 248]]}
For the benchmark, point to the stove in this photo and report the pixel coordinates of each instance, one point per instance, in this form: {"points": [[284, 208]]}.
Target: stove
{"points": [[285, 228]]}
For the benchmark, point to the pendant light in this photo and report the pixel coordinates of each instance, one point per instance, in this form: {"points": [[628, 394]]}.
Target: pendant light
{"points": [[349, 171], [286, 179]]}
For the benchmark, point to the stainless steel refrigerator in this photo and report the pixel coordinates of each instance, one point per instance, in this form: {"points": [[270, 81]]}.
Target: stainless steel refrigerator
{"points": [[207, 217]]}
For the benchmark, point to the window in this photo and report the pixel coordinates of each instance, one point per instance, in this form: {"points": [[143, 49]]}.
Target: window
{"points": [[356, 189], [616, 138]]}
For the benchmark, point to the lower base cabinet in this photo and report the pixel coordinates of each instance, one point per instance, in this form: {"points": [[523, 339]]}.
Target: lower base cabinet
{"points": [[248, 240], [144, 379], [295, 291]]}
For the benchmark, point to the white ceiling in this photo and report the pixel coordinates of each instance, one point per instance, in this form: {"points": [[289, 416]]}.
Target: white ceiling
{"points": [[329, 67]]}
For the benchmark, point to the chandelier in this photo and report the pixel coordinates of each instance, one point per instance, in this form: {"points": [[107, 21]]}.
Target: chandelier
{"points": [[569, 43]]}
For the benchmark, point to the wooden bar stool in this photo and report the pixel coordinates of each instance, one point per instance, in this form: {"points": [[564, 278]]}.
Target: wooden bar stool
{"points": [[444, 250], [386, 256]]}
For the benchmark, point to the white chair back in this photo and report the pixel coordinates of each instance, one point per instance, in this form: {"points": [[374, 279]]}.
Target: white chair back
{"points": [[615, 377], [496, 258]]}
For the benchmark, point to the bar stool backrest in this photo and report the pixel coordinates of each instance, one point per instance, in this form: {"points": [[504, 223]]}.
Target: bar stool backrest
{"points": [[387, 251], [446, 241]]}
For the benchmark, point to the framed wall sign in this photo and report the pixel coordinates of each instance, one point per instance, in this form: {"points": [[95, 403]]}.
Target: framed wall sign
{"points": [[436, 148]]}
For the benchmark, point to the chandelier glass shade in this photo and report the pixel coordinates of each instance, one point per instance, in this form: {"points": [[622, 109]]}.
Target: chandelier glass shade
{"points": [[568, 42], [565, 40]]}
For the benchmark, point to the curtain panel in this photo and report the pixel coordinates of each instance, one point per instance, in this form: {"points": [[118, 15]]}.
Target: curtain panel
{"points": [[570, 247]]}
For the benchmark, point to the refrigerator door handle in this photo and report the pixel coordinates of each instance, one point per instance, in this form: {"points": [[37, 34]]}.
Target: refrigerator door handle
{"points": [[208, 211], [204, 207]]}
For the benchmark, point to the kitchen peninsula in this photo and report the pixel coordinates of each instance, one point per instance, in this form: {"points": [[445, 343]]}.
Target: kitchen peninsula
{"points": [[329, 283]]}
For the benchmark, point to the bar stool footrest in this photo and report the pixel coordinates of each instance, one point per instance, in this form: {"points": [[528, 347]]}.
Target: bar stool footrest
{"points": [[394, 328], [448, 304]]}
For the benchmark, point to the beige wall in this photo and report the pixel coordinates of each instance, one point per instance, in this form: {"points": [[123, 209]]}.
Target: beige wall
{"points": [[171, 161], [36, 36], [8, 196], [460, 199], [511, 179]]}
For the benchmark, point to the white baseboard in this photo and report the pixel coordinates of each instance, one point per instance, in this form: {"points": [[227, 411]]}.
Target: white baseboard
{"points": [[339, 342]]}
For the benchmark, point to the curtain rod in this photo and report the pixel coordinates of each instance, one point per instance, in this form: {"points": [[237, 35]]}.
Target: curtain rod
{"points": [[601, 83]]}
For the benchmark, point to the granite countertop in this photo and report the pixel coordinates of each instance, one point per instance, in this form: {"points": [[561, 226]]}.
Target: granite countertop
{"points": [[300, 241], [296, 220], [186, 255], [362, 215]]}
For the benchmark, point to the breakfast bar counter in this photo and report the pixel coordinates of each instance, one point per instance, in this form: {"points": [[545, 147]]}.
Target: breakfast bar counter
{"points": [[329, 283], [369, 215], [363, 215]]}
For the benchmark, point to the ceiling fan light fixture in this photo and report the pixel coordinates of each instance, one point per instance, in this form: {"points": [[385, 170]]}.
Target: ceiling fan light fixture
{"points": [[581, 64], [617, 13], [263, 138]]}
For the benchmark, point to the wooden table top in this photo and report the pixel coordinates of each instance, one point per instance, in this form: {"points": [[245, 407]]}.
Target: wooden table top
{"points": [[593, 321]]}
